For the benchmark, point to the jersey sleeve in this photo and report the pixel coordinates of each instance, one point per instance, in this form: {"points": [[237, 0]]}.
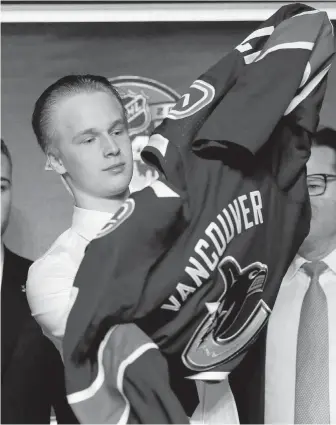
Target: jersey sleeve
{"points": [[279, 78], [243, 97], [125, 394]]}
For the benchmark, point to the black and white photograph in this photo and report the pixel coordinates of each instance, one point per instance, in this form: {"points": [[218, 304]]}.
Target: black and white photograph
{"points": [[168, 212]]}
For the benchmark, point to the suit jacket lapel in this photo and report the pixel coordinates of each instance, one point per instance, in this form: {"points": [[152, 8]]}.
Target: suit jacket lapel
{"points": [[14, 306]]}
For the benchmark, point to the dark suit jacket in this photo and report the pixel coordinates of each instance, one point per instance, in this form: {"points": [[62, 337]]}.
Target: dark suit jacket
{"points": [[32, 376], [247, 382]]}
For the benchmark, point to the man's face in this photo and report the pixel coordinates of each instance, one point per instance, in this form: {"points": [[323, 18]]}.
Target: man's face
{"points": [[93, 144], [323, 221], [6, 191]]}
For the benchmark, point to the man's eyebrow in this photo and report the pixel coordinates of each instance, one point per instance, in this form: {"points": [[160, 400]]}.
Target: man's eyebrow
{"points": [[5, 179], [84, 132], [92, 130], [116, 123]]}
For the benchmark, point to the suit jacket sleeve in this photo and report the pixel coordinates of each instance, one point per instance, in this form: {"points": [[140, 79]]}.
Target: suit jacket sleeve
{"points": [[55, 370], [24, 396]]}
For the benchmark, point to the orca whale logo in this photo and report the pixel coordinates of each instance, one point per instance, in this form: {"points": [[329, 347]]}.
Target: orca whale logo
{"points": [[233, 322]]}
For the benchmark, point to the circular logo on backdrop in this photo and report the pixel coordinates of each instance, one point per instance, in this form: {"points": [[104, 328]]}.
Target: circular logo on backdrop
{"points": [[147, 103]]}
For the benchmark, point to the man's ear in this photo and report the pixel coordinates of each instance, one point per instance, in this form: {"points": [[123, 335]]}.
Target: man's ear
{"points": [[55, 162]]}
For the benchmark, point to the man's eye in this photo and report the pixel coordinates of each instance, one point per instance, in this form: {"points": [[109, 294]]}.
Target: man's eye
{"points": [[118, 131], [4, 187], [90, 140], [315, 185]]}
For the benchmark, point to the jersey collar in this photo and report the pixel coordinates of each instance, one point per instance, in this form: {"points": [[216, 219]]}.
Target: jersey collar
{"points": [[87, 223]]}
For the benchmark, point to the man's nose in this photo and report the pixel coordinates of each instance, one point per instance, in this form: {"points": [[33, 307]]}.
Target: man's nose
{"points": [[109, 146]]}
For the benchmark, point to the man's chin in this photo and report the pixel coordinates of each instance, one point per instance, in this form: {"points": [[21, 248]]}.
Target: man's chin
{"points": [[122, 192], [316, 247]]}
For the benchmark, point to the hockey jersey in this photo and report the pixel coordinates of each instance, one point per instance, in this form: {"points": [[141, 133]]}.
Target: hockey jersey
{"points": [[196, 259]]}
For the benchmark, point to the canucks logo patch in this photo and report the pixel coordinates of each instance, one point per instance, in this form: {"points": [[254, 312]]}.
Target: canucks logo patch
{"points": [[199, 95], [119, 217], [233, 321]]}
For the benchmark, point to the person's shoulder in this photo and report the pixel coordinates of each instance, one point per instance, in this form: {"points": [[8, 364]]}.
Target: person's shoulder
{"points": [[54, 263]]}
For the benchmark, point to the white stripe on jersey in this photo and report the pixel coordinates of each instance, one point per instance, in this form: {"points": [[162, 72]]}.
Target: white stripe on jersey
{"points": [[293, 45], [121, 372], [243, 47], [159, 142], [306, 90], [306, 75], [89, 392], [163, 191], [308, 12], [210, 376], [252, 57]]}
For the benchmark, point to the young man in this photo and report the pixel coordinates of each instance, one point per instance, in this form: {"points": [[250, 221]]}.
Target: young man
{"points": [[31, 368], [81, 125]]}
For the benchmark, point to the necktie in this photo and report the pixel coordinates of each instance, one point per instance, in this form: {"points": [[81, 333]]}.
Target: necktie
{"points": [[312, 356]]}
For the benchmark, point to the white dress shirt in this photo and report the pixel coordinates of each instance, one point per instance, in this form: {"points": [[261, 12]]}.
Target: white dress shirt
{"points": [[282, 341], [217, 404], [50, 289]]}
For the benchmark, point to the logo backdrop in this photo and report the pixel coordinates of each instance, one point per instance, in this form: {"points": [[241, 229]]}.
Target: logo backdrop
{"points": [[147, 103]]}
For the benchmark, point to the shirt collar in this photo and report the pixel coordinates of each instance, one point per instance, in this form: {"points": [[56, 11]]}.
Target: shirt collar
{"points": [[87, 223], [298, 262], [295, 266], [330, 260]]}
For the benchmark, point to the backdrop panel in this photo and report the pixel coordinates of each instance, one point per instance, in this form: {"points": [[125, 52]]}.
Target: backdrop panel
{"points": [[35, 55]]}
